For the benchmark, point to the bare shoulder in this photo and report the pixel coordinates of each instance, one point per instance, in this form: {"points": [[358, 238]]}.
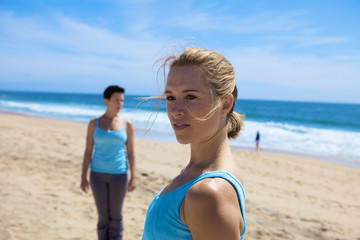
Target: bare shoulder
{"points": [[212, 189], [129, 125], [90, 133], [92, 123], [212, 211]]}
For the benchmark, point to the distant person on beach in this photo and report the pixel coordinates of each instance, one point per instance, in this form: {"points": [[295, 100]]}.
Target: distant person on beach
{"points": [[257, 141], [206, 200], [109, 151]]}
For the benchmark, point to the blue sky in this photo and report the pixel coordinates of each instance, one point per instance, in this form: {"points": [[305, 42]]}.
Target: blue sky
{"points": [[281, 50]]}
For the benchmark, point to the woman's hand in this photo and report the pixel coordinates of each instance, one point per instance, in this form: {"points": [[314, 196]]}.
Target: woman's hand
{"points": [[132, 184], [84, 185]]}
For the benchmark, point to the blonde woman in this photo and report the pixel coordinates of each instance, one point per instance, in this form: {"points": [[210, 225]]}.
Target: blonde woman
{"points": [[206, 200]]}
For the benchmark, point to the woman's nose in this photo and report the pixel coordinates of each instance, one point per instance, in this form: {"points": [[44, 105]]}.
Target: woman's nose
{"points": [[177, 108]]}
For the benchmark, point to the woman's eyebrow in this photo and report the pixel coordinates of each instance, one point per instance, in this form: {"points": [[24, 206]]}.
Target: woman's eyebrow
{"points": [[190, 90], [185, 91]]}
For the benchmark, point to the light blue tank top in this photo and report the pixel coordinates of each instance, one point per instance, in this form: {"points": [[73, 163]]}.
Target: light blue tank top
{"points": [[163, 216], [110, 153]]}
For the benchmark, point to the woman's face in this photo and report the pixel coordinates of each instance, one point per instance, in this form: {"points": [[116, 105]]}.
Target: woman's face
{"points": [[116, 102], [189, 98]]}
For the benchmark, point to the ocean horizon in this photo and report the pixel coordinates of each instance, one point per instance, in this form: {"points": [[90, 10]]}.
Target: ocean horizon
{"points": [[329, 131]]}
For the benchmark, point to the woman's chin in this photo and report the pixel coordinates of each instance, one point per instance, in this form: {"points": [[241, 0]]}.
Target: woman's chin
{"points": [[182, 140]]}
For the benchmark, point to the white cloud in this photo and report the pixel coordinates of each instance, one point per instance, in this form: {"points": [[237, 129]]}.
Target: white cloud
{"points": [[63, 49], [63, 42], [296, 71], [306, 40], [263, 22], [65, 34], [289, 26], [60, 47]]}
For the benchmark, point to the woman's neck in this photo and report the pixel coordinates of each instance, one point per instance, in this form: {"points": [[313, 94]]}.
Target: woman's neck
{"points": [[110, 115], [210, 155]]}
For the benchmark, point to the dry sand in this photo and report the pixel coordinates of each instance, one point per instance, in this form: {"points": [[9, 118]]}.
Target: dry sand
{"points": [[287, 197]]}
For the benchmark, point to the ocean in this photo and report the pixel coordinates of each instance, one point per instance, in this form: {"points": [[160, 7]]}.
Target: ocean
{"points": [[330, 131]]}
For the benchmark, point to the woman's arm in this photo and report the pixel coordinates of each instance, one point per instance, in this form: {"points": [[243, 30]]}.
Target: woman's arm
{"points": [[130, 149], [84, 185], [211, 210]]}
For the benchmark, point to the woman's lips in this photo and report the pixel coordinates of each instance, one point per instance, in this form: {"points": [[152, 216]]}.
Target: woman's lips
{"points": [[179, 126]]}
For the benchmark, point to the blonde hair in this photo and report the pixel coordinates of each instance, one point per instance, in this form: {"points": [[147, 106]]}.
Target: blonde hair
{"points": [[220, 75]]}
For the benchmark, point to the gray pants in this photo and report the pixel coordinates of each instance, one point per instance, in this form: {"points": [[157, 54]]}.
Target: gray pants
{"points": [[109, 191]]}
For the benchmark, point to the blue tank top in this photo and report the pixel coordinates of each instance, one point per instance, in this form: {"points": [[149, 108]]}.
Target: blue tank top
{"points": [[163, 216], [110, 153]]}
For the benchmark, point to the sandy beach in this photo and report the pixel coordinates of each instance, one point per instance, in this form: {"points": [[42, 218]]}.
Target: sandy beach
{"points": [[287, 197]]}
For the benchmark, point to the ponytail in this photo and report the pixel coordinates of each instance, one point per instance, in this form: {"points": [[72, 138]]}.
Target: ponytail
{"points": [[235, 124]]}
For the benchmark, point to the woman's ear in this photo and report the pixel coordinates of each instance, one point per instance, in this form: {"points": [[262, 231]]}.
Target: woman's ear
{"points": [[227, 104]]}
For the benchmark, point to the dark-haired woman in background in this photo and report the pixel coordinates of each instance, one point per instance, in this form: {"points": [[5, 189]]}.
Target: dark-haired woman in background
{"points": [[109, 151]]}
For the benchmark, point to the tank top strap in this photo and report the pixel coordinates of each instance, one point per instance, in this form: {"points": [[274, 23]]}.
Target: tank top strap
{"points": [[233, 181], [227, 176], [123, 126], [218, 173]]}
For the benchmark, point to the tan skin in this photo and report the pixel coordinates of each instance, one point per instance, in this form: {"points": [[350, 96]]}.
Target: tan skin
{"points": [[210, 208], [110, 121]]}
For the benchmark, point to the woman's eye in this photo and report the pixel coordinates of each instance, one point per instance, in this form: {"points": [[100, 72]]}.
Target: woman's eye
{"points": [[170, 98], [191, 97]]}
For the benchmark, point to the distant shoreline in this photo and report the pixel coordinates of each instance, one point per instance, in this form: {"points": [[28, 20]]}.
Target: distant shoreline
{"points": [[148, 95]]}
